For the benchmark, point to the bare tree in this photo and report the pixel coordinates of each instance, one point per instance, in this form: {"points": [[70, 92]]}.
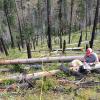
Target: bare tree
{"points": [[49, 24], [8, 15], [71, 12], [95, 24]]}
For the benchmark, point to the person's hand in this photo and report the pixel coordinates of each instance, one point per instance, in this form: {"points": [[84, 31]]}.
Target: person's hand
{"points": [[91, 64], [85, 63]]}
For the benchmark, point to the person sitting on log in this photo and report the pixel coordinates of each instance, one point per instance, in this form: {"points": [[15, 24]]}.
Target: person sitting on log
{"points": [[78, 68]]}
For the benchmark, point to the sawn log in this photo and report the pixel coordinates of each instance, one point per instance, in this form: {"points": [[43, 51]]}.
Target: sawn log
{"points": [[42, 60], [33, 76]]}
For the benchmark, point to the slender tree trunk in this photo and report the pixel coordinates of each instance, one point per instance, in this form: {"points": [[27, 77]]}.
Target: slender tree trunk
{"points": [[33, 40], [12, 41], [49, 24], [86, 20], [4, 47], [64, 46], [6, 14], [80, 40], [71, 12], [60, 22], [28, 49], [1, 47], [95, 24], [18, 44], [19, 23]]}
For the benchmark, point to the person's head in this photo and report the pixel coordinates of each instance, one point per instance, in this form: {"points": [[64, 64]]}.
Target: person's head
{"points": [[89, 52]]}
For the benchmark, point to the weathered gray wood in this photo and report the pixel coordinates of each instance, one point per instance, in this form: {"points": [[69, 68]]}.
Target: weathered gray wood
{"points": [[41, 60], [33, 76], [85, 84]]}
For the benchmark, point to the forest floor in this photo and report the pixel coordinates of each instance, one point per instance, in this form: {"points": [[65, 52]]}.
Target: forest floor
{"points": [[49, 88]]}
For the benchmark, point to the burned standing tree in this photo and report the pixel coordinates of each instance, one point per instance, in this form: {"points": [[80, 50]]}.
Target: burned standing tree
{"points": [[80, 40], [8, 14], [19, 25], [95, 24], [3, 45], [28, 49], [71, 12], [64, 47], [86, 19], [49, 24], [60, 21]]}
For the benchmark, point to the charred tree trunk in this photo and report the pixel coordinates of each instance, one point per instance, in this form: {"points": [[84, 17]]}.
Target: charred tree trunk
{"points": [[71, 12], [95, 24], [80, 40], [6, 14], [49, 23], [1, 47], [20, 29], [86, 20], [18, 44], [60, 22], [87, 46], [64, 46], [5, 50], [28, 49]]}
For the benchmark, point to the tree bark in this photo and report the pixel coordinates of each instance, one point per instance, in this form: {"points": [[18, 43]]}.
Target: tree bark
{"points": [[42, 60], [5, 50], [28, 50], [30, 76], [95, 24], [49, 24], [80, 40], [6, 14], [72, 3], [20, 28], [60, 22]]}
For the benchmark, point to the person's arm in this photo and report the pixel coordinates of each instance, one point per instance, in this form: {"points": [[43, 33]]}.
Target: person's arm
{"points": [[97, 59], [84, 61]]}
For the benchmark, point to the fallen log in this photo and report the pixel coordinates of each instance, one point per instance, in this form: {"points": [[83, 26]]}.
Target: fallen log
{"points": [[42, 60], [86, 84], [66, 49], [33, 76], [73, 49]]}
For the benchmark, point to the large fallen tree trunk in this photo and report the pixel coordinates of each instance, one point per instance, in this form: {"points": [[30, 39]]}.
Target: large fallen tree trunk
{"points": [[33, 76], [86, 84], [66, 49], [42, 60]]}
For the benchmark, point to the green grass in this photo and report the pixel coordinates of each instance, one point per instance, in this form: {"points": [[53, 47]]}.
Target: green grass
{"points": [[48, 84]]}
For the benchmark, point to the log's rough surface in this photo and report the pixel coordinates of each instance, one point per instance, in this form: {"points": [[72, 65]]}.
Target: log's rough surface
{"points": [[42, 60], [33, 76]]}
